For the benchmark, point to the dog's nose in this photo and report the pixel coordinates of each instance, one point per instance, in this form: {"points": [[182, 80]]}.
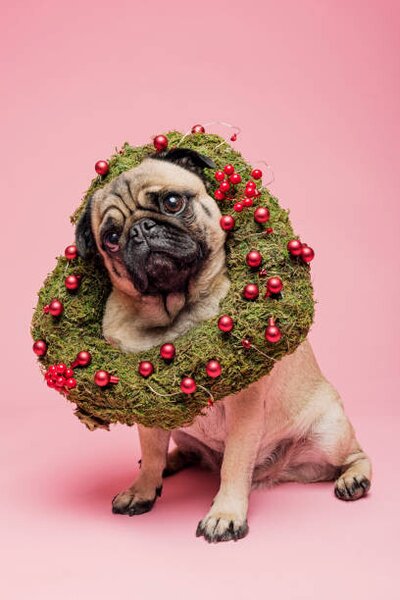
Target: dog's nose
{"points": [[141, 228]]}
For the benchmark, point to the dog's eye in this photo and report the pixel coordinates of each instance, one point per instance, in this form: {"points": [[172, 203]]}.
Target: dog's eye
{"points": [[173, 203], [111, 241]]}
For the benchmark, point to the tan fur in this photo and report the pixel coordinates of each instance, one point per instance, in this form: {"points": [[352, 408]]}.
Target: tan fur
{"points": [[288, 426]]}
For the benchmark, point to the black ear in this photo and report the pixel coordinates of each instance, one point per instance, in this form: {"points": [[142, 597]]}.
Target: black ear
{"points": [[188, 159], [84, 238]]}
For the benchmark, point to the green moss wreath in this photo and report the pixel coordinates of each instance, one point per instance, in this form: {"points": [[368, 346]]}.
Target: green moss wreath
{"points": [[157, 400]]}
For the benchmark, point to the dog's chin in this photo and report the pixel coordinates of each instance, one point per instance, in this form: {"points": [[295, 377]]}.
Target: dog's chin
{"points": [[162, 274]]}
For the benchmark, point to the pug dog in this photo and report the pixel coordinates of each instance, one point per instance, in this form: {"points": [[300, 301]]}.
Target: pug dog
{"points": [[157, 230]]}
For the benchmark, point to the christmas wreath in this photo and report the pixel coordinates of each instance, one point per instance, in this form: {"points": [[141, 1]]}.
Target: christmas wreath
{"points": [[266, 314]]}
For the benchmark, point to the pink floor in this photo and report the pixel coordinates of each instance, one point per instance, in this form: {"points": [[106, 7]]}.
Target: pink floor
{"points": [[315, 88]]}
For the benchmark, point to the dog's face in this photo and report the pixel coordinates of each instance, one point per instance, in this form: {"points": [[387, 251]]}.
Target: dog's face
{"points": [[155, 225]]}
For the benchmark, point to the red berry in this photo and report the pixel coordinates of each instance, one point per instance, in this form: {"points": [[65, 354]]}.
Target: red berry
{"points": [[160, 143], [71, 252], [250, 291], [295, 247], [198, 129], [219, 175], [227, 222], [261, 214], [247, 202], [235, 178], [60, 381], [213, 369], [224, 187], [229, 169], [251, 184], [72, 282], [188, 385], [218, 195], [56, 308], [262, 273], [274, 285], [233, 137], [250, 192], [246, 343], [225, 323], [40, 347], [307, 254], [145, 368], [256, 174], [70, 383], [167, 351], [238, 207], [254, 259], [60, 368], [68, 373], [101, 167], [51, 383]]}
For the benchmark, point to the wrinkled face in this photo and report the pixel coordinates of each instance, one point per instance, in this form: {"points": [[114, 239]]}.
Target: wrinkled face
{"points": [[155, 227]]}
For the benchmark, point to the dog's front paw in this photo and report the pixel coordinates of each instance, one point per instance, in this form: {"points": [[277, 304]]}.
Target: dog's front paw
{"points": [[222, 527], [351, 487], [134, 501]]}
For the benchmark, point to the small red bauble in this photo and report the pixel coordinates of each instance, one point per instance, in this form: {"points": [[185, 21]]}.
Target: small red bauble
{"points": [[219, 195], [225, 323], [272, 332], [60, 368], [51, 383], [198, 129], [82, 359], [307, 253], [167, 351], [234, 137], [60, 381], [256, 174], [229, 169], [188, 385], [235, 178], [246, 343], [261, 214], [39, 347], [219, 175], [103, 378], [247, 202], [254, 259], [70, 383], [274, 285], [160, 143], [268, 231], [101, 167], [295, 247], [56, 308], [250, 291], [251, 185], [250, 192], [227, 222], [71, 252], [224, 187], [68, 373], [238, 206], [72, 282], [213, 369], [145, 368]]}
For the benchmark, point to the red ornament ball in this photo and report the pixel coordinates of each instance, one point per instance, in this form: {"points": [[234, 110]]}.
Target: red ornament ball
{"points": [[254, 259], [71, 252], [272, 332], [198, 129], [250, 291], [213, 369], [60, 381], [72, 282], [70, 383], [188, 385], [261, 214], [247, 202], [103, 378], [60, 368], [225, 323], [307, 254], [229, 169], [56, 308], [235, 178], [227, 222], [39, 347], [83, 359], [251, 184], [219, 175], [274, 285], [246, 343], [219, 195], [167, 351], [295, 247], [256, 174], [160, 143], [68, 373], [238, 206], [101, 167], [250, 192], [224, 187], [145, 368]]}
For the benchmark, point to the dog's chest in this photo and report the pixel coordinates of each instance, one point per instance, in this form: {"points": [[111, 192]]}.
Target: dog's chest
{"points": [[210, 428]]}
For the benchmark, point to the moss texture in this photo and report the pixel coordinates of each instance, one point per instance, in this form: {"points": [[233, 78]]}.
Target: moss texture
{"points": [[132, 400]]}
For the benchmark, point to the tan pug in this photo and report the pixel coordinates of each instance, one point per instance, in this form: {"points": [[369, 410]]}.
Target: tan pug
{"points": [[157, 230]]}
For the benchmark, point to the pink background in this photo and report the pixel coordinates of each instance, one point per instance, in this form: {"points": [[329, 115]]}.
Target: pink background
{"points": [[315, 88]]}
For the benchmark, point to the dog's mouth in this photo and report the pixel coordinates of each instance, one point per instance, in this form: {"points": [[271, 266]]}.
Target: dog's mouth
{"points": [[162, 260]]}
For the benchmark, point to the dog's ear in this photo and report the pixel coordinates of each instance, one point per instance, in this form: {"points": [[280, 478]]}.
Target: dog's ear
{"points": [[188, 159], [84, 238]]}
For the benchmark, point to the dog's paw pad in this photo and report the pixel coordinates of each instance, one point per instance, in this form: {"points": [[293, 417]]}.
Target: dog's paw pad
{"points": [[351, 487], [222, 528]]}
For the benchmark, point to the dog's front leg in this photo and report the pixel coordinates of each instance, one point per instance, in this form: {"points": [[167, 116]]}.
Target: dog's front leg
{"points": [[227, 517], [142, 494]]}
